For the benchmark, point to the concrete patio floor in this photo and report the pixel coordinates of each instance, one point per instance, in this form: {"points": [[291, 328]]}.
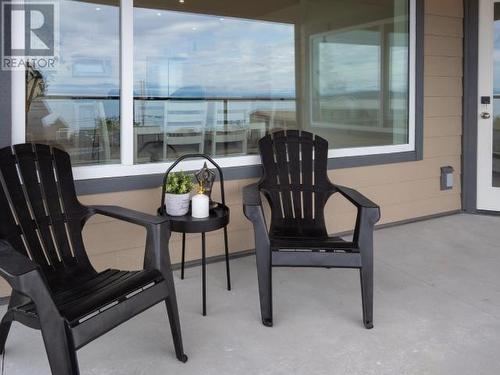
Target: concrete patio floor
{"points": [[437, 311]]}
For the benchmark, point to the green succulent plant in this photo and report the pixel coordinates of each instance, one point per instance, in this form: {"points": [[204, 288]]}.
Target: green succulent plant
{"points": [[179, 183]]}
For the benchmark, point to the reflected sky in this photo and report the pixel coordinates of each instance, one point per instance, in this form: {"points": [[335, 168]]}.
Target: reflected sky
{"points": [[218, 55], [172, 51], [183, 54], [89, 51]]}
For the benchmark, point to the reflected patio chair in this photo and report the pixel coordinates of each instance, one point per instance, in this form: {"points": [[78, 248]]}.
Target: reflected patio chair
{"points": [[92, 138], [148, 122], [184, 124], [296, 185], [281, 118], [230, 124]]}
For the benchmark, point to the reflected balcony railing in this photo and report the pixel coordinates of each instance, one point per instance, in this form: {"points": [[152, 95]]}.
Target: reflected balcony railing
{"points": [[88, 127]]}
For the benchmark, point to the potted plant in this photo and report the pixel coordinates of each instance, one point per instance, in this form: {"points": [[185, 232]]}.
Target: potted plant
{"points": [[178, 193]]}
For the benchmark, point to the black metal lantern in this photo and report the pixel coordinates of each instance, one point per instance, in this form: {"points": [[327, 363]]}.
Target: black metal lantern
{"points": [[206, 178]]}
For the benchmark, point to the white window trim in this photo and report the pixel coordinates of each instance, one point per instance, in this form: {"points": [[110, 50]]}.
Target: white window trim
{"points": [[126, 83], [127, 168]]}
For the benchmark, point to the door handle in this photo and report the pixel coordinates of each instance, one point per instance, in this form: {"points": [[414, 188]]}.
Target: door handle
{"points": [[485, 115]]}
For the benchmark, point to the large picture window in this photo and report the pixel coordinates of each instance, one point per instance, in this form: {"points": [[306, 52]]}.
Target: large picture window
{"points": [[142, 82]]}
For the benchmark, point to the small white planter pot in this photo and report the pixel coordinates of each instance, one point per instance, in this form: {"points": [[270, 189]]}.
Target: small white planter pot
{"points": [[177, 204]]}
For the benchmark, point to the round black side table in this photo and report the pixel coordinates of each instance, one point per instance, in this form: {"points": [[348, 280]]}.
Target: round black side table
{"points": [[217, 219]]}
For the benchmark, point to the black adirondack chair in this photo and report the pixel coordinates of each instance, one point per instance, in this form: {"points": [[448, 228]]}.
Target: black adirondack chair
{"points": [[297, 187], [42, 256]]}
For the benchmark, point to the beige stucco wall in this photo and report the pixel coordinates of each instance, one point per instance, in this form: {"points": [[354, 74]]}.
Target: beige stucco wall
{"points": [[404, 191]]}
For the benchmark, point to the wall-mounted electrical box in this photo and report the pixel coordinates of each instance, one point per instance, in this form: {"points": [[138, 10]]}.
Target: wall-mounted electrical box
{"points": [[446, 178]]}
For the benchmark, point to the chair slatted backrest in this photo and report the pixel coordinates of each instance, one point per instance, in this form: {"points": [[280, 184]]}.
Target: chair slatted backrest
{"points": [[234, 113], [185, 115], [41, 215], [295, 182]]}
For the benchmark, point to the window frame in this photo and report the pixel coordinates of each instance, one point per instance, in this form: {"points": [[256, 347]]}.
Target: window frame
{"points": [[346, 157]]}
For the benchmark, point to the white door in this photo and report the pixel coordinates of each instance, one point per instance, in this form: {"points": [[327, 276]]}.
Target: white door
{"points": [[488, 146]]}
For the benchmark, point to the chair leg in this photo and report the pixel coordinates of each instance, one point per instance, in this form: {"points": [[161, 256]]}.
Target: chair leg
{"points": [[175, 326], [201, 147], [245, 144], [214, 144], [366, 277], [60, 349], [6, 323], [183, 254], [4, 331], [264, 276], [228, 272]]}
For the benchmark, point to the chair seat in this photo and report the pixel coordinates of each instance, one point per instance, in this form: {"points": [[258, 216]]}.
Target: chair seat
{"points": [[311, 243], [79, 302]]}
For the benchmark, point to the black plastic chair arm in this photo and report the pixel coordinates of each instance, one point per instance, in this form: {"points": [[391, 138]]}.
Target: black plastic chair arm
{"points": [[13, 263], [156, 254], [125, 214], [251, 195], [355, 197], [24, 276], [158, 234], [368, 215], [365, 226]]}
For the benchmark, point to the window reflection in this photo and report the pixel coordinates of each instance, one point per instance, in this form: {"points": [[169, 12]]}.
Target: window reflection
{"points": [[208, 84], [359, 92], [496, 101], [336, 68], [76, 105]]}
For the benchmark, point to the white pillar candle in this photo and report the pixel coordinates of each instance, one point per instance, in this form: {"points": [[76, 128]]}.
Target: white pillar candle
{"points": [[199, 206]]}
